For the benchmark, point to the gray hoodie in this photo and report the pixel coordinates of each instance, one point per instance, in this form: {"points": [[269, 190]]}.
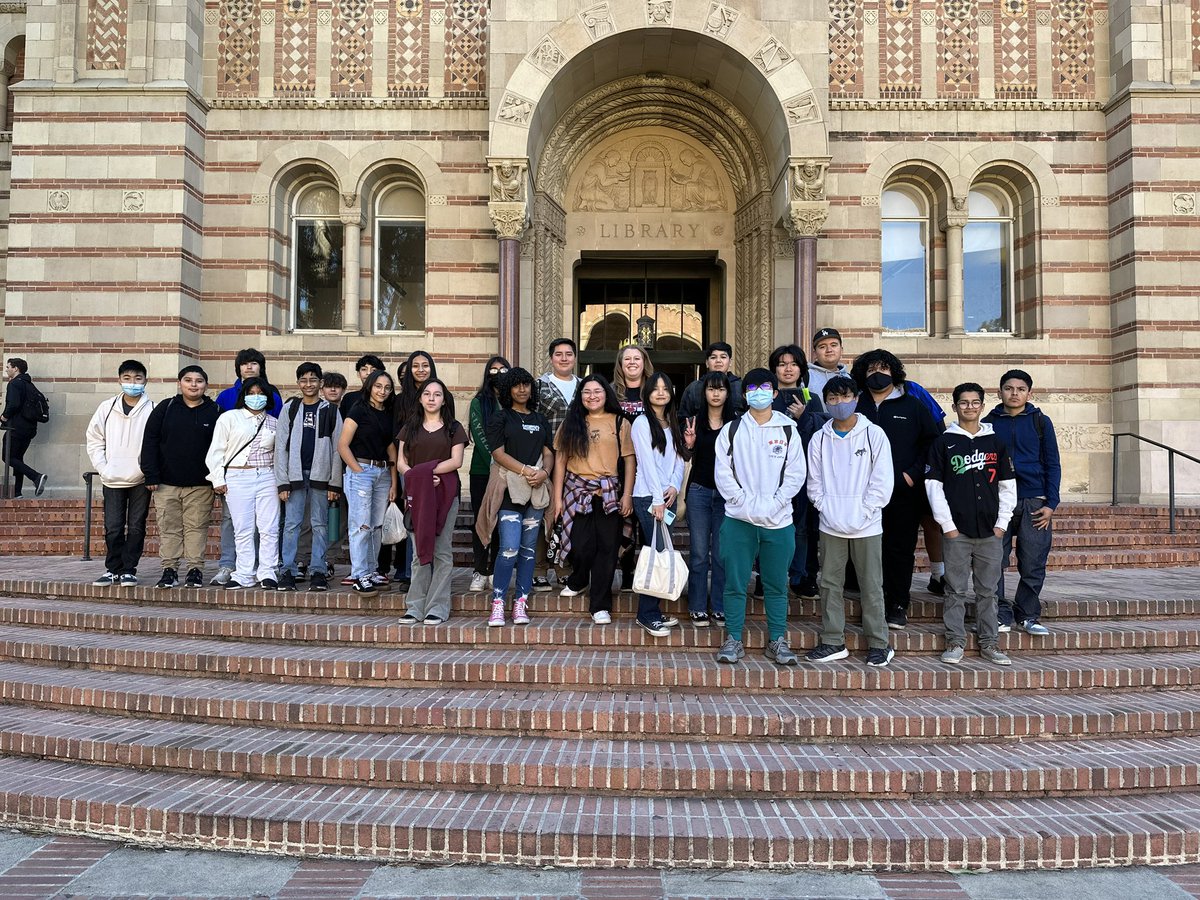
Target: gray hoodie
{"points": [[818, 375], [326, 471]]}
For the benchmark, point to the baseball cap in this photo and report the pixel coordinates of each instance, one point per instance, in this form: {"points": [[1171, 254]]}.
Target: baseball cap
{"points": [[826, 333]]}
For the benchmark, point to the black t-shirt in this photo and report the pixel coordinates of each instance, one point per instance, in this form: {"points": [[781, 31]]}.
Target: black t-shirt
{"points": [[704, 456], [349, 399], [307, 416], [373, 433], [631, 403], [521, 435]]}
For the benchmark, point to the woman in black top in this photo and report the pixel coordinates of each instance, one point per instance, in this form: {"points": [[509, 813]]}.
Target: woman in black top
{"points": [[411, 377], [705, 505], [367, 449]]}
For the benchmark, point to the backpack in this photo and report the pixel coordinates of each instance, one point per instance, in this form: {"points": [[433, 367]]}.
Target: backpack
{"points": [[733, 427], [35, 407]]}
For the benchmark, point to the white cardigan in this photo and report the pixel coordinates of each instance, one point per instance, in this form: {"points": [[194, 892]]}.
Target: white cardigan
{"points": [[233, 435], [655, 471]]}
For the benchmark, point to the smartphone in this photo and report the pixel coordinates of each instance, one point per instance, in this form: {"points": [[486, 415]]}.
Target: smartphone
{"points": [[669, 517]]}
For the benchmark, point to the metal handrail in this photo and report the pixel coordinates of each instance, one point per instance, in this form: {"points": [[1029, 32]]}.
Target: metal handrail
{"points": [[6, 491], [1171, 454], [87, 515]]}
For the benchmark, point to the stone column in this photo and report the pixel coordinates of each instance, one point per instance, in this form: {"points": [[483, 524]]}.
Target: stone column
{"points": [[352, 270], [806, 219], [953, 226], [509, 221], [5, 125]]}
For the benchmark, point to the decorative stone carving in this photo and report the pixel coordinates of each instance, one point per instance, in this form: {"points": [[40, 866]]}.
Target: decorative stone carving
{"points": [[349, 201], [508, 179], [959, 203], [771, 56], [437, 200], [783, 247], [648, 174], [1049, 200], [871, 200], [133, 201], [598, 21], [507, 218], [381, 17], [719, 20], [515, 110], [808, 178], [927, 17], [324, 16], [550, 223], [547, 56], [211, 16], [717, 230], [659, 12], [438, 17], [807, 218], [268, 17], [985, 17], [802, 108], [1102, 17], [954, 218], [260, 199], [871, 16], [1091, 438], [1043, 17], [58, 201], [1184, 204]]}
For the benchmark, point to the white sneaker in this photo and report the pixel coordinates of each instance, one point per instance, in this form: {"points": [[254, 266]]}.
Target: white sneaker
{"points": [[601, 618], [571, 592], [478, 581], [224, 574]]}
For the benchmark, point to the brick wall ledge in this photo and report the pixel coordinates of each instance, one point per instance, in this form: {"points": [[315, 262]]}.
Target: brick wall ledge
{"points": [[877, 103], [347, 103]]}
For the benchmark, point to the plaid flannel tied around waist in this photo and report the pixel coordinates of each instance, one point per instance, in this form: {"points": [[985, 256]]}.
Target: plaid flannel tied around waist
{"points": [[577, 500]]}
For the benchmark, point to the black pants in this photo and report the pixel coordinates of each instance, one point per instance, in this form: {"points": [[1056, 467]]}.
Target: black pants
{"points": [[18, 442], [484, 557], [901, 523], [595, 539], [125, 512]]}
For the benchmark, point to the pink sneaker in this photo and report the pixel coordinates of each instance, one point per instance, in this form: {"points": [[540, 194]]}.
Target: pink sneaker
{"points": [[496, 619], [520, 612]]}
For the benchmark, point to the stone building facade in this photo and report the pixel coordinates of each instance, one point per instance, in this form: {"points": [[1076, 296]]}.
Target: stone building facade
{"points": [[974, 184]]}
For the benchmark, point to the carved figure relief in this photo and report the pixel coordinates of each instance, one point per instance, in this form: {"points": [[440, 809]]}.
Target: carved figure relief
{"points": [[719, 20], [771, 56], [508, 181], [605, 184], [515, 110], [701, 190], [1184, 204], [659, 174], [808, 180], [658, 12], [598, 21]]}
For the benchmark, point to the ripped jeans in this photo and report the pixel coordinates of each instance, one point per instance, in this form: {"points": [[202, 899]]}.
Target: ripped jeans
{"points": [[518, 538], [366, 496]]}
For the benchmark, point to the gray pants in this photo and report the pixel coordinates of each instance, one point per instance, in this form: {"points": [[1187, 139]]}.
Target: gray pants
{"points": [[967, 557], [867, 555], [429, 594]]}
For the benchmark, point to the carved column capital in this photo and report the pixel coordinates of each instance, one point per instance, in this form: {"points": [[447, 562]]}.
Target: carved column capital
{"points": [[953, 219], [507, 218], [807, 218], [806, 177], [509, 177]]}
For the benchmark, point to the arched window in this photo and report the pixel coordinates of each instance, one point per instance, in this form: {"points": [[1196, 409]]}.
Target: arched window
{"points": [[905, 254], [400, 260], [987, 263], [317, 267]]}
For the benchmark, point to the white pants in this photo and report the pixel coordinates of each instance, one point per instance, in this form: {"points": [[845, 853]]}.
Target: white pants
{"points": [[253, 501]]}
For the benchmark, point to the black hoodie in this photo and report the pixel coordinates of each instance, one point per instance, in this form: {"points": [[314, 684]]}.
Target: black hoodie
{"points": [[176, 442], [910, 428]]}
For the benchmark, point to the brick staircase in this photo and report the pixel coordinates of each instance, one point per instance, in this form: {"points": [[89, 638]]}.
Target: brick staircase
{"points": [[316, 724]]}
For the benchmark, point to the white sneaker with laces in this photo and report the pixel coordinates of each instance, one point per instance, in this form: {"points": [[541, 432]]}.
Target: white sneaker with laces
{"points": [[568, 591], [601, 617], [478, 581]]}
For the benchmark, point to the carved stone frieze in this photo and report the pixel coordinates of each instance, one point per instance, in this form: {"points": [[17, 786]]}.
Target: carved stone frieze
{"points": [[807, 181], [437, 200], [508, 179], [507, 218], [720, 20], [515, 109], [659, 12], [1088, 438], [597, 21], [547, 56], [869, 200], [648, 173], [549, 237], [802, 109], [806, 218], [58, 201], [771, 56], [1184, 204], [133, 201]]}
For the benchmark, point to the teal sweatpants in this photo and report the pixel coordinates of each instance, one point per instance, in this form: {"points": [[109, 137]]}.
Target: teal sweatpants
{"points": [[741, 544]]}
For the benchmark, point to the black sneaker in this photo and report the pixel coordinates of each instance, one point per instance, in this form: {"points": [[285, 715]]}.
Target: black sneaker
{"points": [[827, 653], [195, 579], [897, 619], [937, 585], [880, 656], [655, 628], [365, 586], [303, 576], [718, 617], [808, 589], [169, 579], [541, 584], [41, 485], [700, 619], [287, 582], [402, 585], [318, 582], [270, 584]]}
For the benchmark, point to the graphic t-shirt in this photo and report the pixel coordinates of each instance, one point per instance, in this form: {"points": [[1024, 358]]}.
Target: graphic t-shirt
{"points": [[308, 433], [631, 403], [970, 470]]}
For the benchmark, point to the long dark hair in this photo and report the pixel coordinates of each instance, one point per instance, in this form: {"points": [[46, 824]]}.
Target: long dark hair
{"points": [[509, 380], [488, 392], [573, 437], [417, 419], [714, 379], [259, 382], [369, 384], [658, 436], [408, 390]]}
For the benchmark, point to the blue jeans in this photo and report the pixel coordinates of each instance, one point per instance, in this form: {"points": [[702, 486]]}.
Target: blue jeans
{"points": [[799, 567], [367, 496], [1033, 549], [318, 519], [518, 539], [228, 550], [705, 513], [648, 608]]}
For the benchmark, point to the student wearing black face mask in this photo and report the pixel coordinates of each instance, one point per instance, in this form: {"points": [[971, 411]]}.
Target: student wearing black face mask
{"points": [[910, 429], [484, 405]]}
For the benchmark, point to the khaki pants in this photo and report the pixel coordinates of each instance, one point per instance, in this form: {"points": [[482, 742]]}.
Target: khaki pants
{"points": [[183, 514], [867, 555]]}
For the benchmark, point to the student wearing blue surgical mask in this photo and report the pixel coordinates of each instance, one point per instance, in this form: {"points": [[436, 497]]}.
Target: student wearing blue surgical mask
{"points": [[114, 445]]}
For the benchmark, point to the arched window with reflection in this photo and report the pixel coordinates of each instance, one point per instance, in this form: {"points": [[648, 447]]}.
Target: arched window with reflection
{"points": [[400, 260], [987, 263], [905, 255], [317, 267]]}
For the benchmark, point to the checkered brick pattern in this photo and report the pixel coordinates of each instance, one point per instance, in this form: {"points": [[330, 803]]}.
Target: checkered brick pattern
{"points": [[466, 47], [958, 49], [237, 48], [1196, 35], [846, 48], [1073, 53], [900, 46], [408, 48], [351, 63], [1016, 61], [108, 21], [295, 47]]}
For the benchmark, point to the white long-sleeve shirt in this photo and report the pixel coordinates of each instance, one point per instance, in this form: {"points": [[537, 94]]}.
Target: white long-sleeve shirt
{"points": [[761, 454], [233, 441], [850, 478], [655, 471]]}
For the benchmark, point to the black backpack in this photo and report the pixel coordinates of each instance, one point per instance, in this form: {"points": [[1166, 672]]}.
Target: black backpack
{"points": [[35, 407]]}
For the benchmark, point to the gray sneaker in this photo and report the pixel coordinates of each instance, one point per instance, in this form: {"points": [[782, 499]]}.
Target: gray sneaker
{"points": [[731, 651], [953, 655], [224, 574], [995, 655], [779, 651]]}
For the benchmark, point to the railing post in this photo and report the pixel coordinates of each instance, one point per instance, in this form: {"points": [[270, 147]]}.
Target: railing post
{"points": [[1114, 478], [87, 516], [7, 470], [1171, 485]]}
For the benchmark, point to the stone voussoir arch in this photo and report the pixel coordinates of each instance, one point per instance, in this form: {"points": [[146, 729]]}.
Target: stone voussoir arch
{"points": [[399, 154], [937, 160], [1041, 176], [276, 165]]}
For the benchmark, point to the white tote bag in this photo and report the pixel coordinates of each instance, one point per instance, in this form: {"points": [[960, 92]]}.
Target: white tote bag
{"points": [[393, 525], [661, 571]]}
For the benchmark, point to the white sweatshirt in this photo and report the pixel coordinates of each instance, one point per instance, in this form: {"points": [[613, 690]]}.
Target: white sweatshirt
{"points": [[655, 471], [114, 441], [756, 495], [850, 478]]}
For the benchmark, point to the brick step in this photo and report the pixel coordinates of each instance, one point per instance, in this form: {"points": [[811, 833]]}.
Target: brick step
{"points": [[1084, 697], [547, 829], [647, 768], [667, 665], [327, 642]]}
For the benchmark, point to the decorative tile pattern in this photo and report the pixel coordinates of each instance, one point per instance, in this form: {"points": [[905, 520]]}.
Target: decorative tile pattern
{"points": [[107, 24], [408, 49], [1196, 35], [1016, 61], [958, 49], [237, 48], [295, 48], [351, 63], [1073, 55], [466, 47], [845, 49], [900, 46]]}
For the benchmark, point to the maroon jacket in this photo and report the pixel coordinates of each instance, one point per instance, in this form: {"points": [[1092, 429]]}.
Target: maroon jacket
{"points": [[428, 506]]}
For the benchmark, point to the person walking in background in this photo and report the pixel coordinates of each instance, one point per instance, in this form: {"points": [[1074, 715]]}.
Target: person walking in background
{"points": [[21, 426], [483, 408]]}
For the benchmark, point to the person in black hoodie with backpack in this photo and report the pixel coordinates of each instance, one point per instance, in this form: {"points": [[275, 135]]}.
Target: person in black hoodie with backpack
{"points": [[20, 425], [911, 429], [177, 437]]}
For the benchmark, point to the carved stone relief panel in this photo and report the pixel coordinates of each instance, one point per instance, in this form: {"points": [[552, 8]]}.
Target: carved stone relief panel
{"points": [[659, 172]]}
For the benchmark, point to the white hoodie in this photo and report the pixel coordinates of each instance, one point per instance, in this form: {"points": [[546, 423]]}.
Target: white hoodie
{"points": [[850, 478], [114, 441], [759, 452]]}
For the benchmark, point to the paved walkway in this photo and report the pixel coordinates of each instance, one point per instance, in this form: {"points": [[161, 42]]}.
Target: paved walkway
{"points": [[39, 867]]}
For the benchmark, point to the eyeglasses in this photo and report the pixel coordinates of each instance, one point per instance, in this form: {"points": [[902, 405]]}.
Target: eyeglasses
{"points": [[497, 371], [765, 386], [310, 381], [970, 404]]}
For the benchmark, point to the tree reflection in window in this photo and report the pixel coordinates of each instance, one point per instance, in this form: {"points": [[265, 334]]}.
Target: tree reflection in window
{"points": [[317, 267], [400, 261]]}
